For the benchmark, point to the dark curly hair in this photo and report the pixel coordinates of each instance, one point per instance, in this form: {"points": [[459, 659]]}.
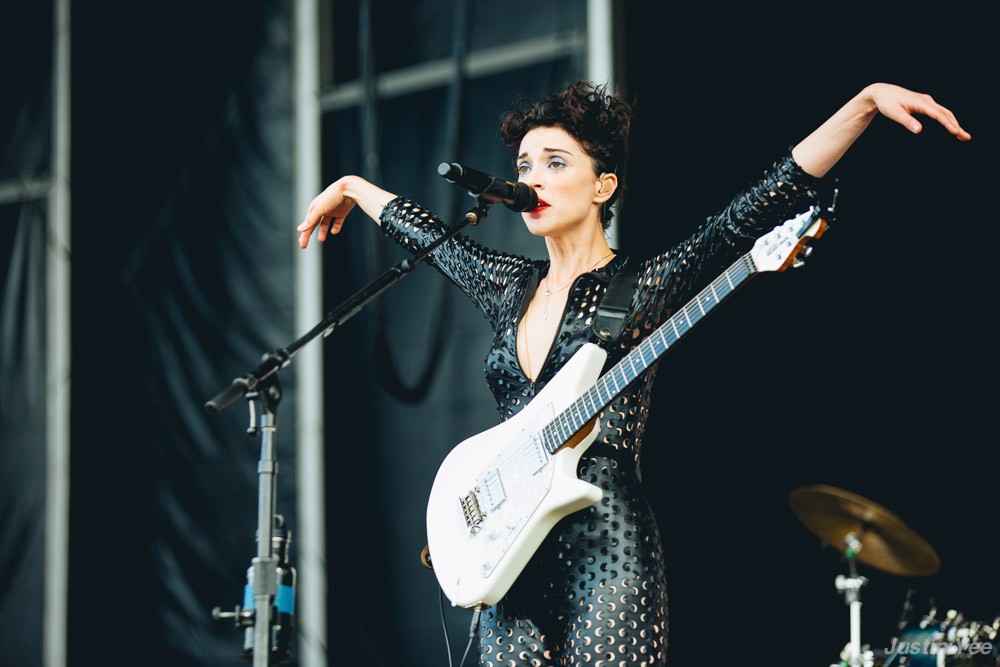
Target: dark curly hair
{"points": [[599, 120]]}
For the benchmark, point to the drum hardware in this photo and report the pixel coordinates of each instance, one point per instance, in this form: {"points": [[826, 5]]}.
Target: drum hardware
{"points": [[948, 641], [864, 532]]}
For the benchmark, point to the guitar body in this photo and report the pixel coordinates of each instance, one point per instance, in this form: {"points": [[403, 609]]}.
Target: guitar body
{"points": [[499, 493]]}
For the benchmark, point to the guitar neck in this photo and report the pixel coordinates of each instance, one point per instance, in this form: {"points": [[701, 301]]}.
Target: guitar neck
{"points": [[644, 355]]}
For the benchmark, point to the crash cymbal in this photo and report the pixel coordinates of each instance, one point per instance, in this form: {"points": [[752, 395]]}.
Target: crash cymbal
{"points": [[887, 543]]}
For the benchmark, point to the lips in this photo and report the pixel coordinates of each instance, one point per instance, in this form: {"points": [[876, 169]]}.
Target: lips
{"points": [[541, 204]]}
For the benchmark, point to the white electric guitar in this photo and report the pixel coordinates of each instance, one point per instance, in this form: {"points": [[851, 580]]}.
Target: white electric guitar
{"points": [[499, 493]]}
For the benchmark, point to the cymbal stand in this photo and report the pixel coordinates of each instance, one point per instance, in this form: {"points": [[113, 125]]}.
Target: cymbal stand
{"points": [[850, 586]]}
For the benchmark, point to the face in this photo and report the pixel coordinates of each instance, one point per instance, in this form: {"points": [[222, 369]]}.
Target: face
{"points": [[569, 192]]}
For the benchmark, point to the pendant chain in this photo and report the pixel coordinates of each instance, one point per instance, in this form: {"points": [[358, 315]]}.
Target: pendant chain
{"points": [[545, 313], [548, 292]]}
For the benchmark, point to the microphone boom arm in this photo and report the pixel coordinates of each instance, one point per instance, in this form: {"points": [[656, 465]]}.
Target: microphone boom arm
{"points": [[275, 360]]}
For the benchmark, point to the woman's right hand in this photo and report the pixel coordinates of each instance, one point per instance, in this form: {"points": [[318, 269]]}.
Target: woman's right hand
{"points": [[327, 211]]}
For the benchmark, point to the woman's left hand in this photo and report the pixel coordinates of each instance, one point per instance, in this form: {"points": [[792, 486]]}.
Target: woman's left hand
{"points": [[902, 105], [822, 149]]}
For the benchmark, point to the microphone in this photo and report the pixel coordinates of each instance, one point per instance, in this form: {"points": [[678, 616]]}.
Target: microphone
{"points": [[515, 196]]}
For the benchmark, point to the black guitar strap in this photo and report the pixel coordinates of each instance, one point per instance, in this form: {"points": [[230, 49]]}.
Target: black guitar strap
{"points": [[614, 307]]}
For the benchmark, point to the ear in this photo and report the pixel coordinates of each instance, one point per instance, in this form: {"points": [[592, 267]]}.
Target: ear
{"points": [[605, 186]]}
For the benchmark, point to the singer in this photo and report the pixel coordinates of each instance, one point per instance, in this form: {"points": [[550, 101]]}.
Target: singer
{"points": [[595, 590]]}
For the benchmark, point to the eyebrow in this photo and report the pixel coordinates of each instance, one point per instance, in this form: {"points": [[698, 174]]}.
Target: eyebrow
{"points": [[546, 150]]}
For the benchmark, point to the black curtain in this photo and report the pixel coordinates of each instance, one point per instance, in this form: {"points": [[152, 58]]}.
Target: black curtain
{"points": [[865, 369], [22, 432], [25, 135], [183, 241]]}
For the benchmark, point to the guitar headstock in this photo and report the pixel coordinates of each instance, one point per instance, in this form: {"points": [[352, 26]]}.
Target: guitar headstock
{"points": [[788, 243]]}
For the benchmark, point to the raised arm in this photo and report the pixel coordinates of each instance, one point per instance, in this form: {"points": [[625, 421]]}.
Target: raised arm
{"points": [[818, 152], [327, 211], [483, 274]]}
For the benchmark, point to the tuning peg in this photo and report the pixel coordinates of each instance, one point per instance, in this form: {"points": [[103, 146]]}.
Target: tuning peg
{"points": [[800, 258]]}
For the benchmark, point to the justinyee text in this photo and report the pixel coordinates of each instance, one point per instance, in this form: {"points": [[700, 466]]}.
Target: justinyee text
{"points": [[932, 647]]}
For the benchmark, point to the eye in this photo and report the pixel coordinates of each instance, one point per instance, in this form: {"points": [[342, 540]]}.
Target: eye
{"points": [[523, 168], [556, 163]]}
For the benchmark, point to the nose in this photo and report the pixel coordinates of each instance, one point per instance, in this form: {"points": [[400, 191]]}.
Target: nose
{"points": [[531, 180]]}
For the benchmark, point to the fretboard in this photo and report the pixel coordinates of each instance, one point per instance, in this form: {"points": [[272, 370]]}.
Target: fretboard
{"points": [[635, 363]]}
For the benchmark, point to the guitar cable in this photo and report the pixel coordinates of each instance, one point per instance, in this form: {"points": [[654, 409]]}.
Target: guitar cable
{"points": [[444, 624], [477, 611]]}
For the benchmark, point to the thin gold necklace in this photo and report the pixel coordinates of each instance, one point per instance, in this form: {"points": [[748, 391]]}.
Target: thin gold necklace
{"points": [[548, 292], [524, 324]]}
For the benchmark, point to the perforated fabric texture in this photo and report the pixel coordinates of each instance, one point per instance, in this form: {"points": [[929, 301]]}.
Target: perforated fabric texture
{"points": [[595, 592]]}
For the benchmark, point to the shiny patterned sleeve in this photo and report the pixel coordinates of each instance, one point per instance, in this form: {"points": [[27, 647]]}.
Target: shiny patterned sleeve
{"points": [[670, 279], [484, 275]]}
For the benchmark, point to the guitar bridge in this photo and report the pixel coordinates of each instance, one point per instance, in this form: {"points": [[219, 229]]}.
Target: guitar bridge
{"points": [[471, 510]]}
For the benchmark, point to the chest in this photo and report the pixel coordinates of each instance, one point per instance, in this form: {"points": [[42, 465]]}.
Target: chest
{"points": [[538, 329]]}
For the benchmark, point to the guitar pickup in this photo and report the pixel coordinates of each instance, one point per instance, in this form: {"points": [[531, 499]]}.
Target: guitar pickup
{"points": [[492, 489], [535, 454]]}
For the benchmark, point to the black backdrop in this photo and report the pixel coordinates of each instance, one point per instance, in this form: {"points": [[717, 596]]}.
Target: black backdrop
{"points": [[869, 369]]}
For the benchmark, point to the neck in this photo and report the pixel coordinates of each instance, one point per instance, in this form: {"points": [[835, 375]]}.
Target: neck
{"points": [[567, 261]]}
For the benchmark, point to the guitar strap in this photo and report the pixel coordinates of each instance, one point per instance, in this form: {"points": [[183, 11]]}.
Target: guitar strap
{"points": [[614, 307]]}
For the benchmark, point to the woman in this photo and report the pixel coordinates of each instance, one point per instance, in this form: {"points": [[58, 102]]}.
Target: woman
{"points": [[596, 588]]}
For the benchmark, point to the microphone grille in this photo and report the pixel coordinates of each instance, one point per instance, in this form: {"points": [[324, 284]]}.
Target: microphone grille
{"points": [[450, 171]]}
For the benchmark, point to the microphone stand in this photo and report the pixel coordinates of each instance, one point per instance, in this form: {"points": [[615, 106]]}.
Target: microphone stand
{"points": [[261, 384]]}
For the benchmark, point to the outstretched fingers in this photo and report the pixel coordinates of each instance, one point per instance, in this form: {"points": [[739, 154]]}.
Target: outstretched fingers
{"points": [[326, 213], [926, 105], [313, 220], [947, 118]]}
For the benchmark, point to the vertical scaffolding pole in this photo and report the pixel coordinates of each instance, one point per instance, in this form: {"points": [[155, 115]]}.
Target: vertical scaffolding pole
{"points": [[309, 407], [57, 352], [601, 62]]}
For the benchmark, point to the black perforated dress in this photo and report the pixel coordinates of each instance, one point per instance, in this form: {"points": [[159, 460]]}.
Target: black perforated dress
{"points": [[595, 591]]}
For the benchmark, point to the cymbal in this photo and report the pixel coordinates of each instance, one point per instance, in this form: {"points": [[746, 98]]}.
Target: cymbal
{"points": [[887, 543]]}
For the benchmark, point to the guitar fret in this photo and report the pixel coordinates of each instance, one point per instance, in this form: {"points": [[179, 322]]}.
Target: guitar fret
{"points": [[595, 395], [611, 383], [635, 371], [652, 350], [708, 297], [605, 396], [547, 440], [580, 420]]}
